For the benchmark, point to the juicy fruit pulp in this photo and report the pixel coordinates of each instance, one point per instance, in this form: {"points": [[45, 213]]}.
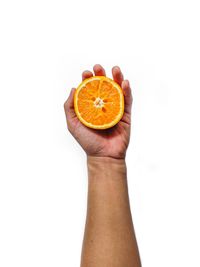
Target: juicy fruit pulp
{"points": [[99, 102]]}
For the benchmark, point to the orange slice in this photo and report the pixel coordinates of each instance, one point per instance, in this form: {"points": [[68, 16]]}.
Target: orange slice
{"points": [[99, 102]]}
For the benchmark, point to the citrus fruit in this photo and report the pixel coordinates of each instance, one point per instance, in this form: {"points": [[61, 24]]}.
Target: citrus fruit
{"points": [[99, 102]]}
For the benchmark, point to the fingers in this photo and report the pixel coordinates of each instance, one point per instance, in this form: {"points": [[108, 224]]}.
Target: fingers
{"points": [[127, 96], [119, 78], [86, 74], [69, 109], [99, 70], [117, 75]]}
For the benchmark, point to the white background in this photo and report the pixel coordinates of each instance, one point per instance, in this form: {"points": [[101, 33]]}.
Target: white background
{"points": [[44, 47]]}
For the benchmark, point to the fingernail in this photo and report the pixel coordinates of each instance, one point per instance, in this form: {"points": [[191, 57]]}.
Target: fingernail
{"points": [[117, 67]]}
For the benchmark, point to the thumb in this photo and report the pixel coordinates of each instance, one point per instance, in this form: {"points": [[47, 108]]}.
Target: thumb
{"points": [[69, 107]]}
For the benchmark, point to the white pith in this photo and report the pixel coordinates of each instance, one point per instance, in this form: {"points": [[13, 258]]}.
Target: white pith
{"points": [[98, 103]]}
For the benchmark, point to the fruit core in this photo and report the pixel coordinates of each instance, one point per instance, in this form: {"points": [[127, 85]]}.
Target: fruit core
{"points": [[98, 102]]}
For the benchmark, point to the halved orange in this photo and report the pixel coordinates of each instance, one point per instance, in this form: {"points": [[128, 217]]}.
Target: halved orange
{"points": [[99, 102]]}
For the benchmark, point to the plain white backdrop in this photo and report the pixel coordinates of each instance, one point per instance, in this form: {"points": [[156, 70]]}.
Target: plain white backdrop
{"points": [[44, 47]]}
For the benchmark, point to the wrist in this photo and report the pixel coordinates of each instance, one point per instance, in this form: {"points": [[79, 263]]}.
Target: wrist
{"points": [[105, 160], [106, 167]]}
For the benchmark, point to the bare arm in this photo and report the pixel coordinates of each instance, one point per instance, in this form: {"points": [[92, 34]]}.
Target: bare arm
{"points": [[109, 238], [109, 235]]}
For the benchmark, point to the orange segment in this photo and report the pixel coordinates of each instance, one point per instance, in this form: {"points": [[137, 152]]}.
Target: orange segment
{"points": [[99, 102]]}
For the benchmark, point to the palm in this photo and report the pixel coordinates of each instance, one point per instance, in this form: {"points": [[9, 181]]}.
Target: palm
{"points": [[111, 142]]}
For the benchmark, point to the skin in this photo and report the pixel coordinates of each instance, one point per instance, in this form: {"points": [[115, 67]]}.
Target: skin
{"points": [[109, 239]]}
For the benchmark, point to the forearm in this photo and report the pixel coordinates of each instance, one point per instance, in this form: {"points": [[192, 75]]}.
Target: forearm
{"points": [[109, 235]]}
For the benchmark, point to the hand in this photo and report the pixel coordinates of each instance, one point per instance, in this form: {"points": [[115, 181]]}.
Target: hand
{"points": [[111, 142]]}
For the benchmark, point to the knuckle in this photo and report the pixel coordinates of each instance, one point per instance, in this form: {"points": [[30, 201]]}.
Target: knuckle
{"points": [[65, 105], [69, 126], [131, 97]]}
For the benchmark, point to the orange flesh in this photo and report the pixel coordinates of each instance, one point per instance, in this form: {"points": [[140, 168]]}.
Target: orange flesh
{"points": [[99, 102]]}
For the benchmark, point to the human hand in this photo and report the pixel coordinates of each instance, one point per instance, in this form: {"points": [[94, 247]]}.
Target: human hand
{"points": [[112, 142]]}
